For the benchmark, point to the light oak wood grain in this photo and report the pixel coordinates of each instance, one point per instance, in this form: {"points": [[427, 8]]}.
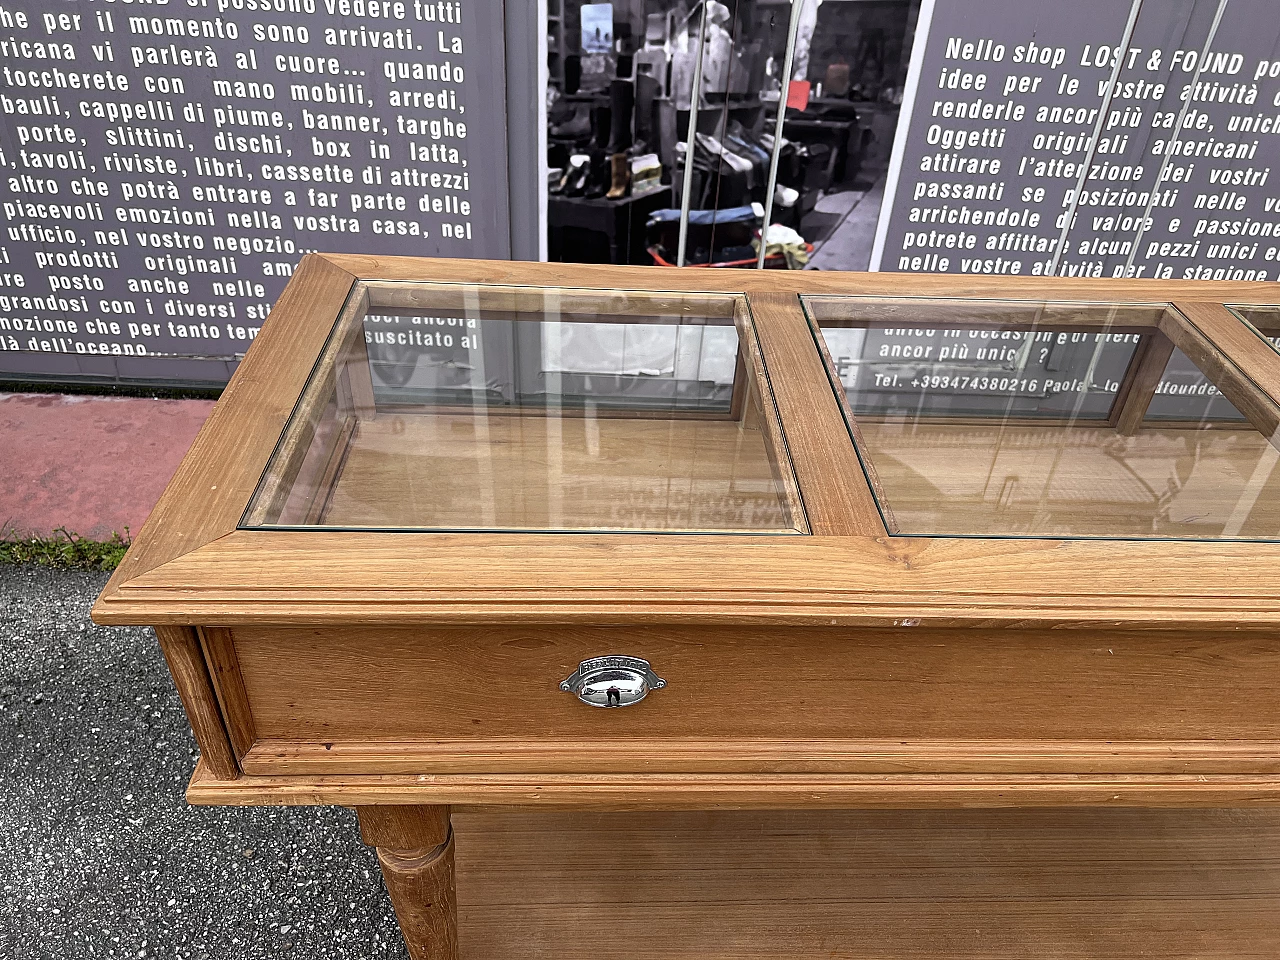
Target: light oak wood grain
{"points": [[212, 573], [1255, 357], [181, 648], [319, 494], [759, 411], [1143, 376], [558, 300], [836, 495], [870, 885], [211, 487], [321, 420], [412, 830], [641, 756], [486, 700], [1221, 363], [415, 854], [829, 283], [1264, 320], [421, 889], [224, 670], [704, 791], [284, 577], [401, 673]]}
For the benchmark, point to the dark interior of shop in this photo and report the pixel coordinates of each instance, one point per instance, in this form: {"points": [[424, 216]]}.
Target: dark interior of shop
{"points": [[619, 100]]}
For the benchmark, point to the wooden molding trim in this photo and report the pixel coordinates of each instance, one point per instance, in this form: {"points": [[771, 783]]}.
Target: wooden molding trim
{"points": [[220, 656], [222, 467], [837, 497], [704, 792], [182, 652], [1255, 358], [201, 569], [819, 283], [1146, 368], [853, 756], [1223, 365], [322, 577]]}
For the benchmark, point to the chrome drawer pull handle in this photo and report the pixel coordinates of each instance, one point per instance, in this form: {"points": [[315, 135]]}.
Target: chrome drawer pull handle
{"points": [[612, 681]]}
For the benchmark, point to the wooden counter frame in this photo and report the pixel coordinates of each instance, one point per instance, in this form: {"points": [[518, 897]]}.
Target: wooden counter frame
{"points": [[199, 579], [208, 571]]}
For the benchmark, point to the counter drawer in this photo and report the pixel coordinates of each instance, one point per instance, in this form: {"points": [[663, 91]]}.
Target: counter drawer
{"points": [[746, 700]]}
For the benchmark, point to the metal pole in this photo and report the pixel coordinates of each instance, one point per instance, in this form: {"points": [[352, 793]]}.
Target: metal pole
{"points": [[1097, 132], [1177, 135], [772, 184], [690, 141]]}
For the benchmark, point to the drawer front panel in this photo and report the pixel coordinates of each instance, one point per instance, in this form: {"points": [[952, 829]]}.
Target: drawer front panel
{"points": [[488, 700]]}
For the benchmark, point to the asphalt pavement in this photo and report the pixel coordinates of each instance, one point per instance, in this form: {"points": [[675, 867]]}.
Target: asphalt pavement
{"points": [[100, 856]]}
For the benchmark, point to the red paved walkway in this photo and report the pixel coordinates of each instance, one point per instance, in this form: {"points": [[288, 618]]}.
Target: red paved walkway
{"points": [[90, 464]]}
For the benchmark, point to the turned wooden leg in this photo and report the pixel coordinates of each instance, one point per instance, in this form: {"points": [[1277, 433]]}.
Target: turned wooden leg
{"points": [[415, 851]]}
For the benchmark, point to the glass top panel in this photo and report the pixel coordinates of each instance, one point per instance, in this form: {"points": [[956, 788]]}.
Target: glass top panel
{"points": [[1016, 419], [1263, 320], [500, 408]]}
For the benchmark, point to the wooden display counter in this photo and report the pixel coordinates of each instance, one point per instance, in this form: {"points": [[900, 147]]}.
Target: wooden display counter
{"points": [[748, 613]]}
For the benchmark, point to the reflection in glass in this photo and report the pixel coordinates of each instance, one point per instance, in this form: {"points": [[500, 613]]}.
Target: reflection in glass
{"points": [[466, 407], [999, 418]]}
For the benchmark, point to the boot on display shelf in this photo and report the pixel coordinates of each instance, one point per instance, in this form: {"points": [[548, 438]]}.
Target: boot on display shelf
{"points": [[622, 108], [620, 170], [601, 125], [600, 178], [576, 125], [575, 176]]}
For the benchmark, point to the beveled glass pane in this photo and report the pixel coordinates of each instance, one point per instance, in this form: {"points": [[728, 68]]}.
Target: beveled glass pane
{"points": [[473, 407], [1263, 320], [1014, 419]]}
